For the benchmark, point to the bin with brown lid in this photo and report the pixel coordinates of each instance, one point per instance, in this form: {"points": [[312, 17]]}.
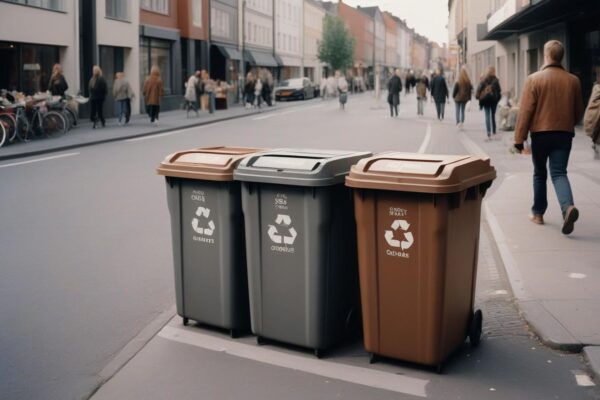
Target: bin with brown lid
{"points": [[418, 220], [207, 226]]}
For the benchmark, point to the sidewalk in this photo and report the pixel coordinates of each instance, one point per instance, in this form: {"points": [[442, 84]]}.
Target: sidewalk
{"points": [[84, 135], [554, 278]]}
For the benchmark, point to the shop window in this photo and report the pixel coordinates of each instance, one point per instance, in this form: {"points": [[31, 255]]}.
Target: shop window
{"points": [[158, 6], [56, 5], [26, 68], [197, 13], [156, 52], [117, 9]]}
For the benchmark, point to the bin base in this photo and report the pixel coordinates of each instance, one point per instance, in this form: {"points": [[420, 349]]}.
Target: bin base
{"points": [[475, 328]]}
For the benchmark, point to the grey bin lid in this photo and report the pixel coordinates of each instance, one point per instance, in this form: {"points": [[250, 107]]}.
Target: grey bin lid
{"points": [[298, 167]]}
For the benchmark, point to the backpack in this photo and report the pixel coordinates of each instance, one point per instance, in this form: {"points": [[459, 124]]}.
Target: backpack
{"points": [[486, 95]]}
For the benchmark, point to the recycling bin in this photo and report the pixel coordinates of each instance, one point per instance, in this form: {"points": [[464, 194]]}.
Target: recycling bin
{"points": [[207, 227], [300, 246], [418, 221]]}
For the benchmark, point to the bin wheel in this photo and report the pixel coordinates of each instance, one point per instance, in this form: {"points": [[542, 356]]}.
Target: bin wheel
{"points": [[373, 358], [234, 333], [185, 321], [260, 340], [475, 326], [439, 368], [319, 353]]}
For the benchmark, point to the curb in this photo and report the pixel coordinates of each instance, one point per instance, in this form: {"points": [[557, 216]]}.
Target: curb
{"points": [[126, 137], [549, 330], [592, 356]]}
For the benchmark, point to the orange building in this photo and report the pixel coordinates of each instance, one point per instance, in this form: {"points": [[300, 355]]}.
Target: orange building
{"points": [[362, 28]]}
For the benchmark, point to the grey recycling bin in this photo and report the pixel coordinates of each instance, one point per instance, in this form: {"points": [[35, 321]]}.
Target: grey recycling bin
{"points": [[207, 227], [300, 246]]}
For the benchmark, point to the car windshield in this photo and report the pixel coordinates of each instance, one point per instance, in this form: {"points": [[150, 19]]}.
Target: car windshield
{"points": [[291, 82]]}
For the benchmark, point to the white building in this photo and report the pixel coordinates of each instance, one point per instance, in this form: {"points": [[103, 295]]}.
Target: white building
{"points": [[257, 18], [313, 32], [289, 35]]}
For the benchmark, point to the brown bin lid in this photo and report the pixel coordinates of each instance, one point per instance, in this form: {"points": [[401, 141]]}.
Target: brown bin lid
{"points": [[206, 163], [422, 173]]}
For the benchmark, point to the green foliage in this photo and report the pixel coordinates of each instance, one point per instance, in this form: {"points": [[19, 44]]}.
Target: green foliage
{"points": [[337, 46]]}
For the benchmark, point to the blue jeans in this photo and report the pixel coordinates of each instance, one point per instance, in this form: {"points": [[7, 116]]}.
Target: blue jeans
{"points": [[122, 109], [420, 102], [490, 119], [460, 111], [556, 147], [440, 108]]}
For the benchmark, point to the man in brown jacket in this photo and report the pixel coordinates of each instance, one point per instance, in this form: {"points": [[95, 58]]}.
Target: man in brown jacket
{"points": [[551, 106]]}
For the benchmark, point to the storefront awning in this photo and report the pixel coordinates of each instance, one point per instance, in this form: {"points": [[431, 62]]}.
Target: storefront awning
{"points": [[260, 58], [229, 52], [287, 61]]}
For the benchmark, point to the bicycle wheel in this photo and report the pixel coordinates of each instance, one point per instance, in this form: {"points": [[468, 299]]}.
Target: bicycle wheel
{"points": [[54, 124], [70, 117], [2, 132], [22, 129], [10, 124]]}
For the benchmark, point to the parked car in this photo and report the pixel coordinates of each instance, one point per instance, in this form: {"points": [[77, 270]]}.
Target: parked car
{"points": [[295, 89]]}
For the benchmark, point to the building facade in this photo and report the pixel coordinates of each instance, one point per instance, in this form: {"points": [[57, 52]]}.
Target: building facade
{"points": [[258, 31], [420, 51], [289, 36], [362, 29], [225, 54], [391, 48], [193, 25], [314, 14]]}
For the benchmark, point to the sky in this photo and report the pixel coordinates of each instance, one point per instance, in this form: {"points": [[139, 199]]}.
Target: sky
{"points": [[428, 17]]}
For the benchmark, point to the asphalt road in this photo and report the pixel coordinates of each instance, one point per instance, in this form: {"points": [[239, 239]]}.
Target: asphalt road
{"points": [[86, 257]]}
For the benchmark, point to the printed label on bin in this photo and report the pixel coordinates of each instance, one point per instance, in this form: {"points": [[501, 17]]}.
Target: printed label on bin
{"points": [[399, 237], [203, 225], [282, 233]]}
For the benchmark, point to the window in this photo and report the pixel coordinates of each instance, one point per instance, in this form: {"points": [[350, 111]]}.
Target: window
{"points": [[197, 13], [117, 9], [220, 23], [159, 6], [26, 67], [156, 52], [56, 5]]}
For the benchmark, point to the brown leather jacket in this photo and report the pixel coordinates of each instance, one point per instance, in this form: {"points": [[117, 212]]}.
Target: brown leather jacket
{"points": [[153, 90], [551, 101]]}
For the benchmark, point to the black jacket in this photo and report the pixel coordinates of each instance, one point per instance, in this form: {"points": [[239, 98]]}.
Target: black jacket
{"points": [[394, 85], [58, 86], [496, 92], [439, 89], [98, 90]]}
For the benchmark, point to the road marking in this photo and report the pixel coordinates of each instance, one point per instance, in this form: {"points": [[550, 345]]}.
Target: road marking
{"points": [[38, 160], [583, 379], [139, 139], [293, 110], [426, 140], [577, 275], [347, 373], [472, 147]]}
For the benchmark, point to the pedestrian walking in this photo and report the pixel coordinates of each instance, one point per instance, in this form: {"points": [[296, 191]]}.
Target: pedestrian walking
{"points": [[439, 92], [209, 90], [489, 94], [191, 93], [267, 86], [249, 90], [58, 84], [591, 119], [258, 92], [462, 92], [342, 88], [551, 106], [153, 91], [422, 87], [394, 88], [122, 93], [98, 90]]}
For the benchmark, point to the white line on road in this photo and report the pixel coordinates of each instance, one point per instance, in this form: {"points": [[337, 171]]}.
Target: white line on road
{"points": [[293, 110], [358, 375], [426, 140], [38, 160]]}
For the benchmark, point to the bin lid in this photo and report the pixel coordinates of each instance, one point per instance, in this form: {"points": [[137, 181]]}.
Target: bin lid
{"points": [[423, 173], [299, 167], [205, 163]]}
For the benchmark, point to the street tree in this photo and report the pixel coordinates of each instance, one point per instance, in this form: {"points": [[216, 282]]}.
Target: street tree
{"points": [[337, 46]]}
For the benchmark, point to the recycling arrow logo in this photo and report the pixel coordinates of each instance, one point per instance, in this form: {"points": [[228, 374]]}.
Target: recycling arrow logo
{"points": [[408, 236], [205, 214], [283, 221]]}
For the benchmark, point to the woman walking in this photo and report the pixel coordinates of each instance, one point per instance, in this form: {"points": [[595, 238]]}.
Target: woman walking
{"points": [[462, 92], [191, 93], [422, 87], [153, 91], [394, 88], [249, 90], [439, 92], [489, 94], [58, 84], [122, 93], [98, 90]]}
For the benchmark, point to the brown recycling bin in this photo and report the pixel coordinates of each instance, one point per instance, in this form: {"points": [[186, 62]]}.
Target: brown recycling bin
{"points": [[417, 220]]}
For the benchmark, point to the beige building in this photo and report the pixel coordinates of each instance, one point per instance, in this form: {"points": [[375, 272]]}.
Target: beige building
{"points": [[313, 31], [289, 35]]}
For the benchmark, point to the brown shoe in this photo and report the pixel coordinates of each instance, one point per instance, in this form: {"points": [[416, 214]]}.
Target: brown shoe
{"points": [[571, 216], [537, 219]]}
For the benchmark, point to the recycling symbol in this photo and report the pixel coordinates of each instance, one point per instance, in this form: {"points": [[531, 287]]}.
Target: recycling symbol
{"points": [[205, 213], [283, 221], [408, 236]]}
